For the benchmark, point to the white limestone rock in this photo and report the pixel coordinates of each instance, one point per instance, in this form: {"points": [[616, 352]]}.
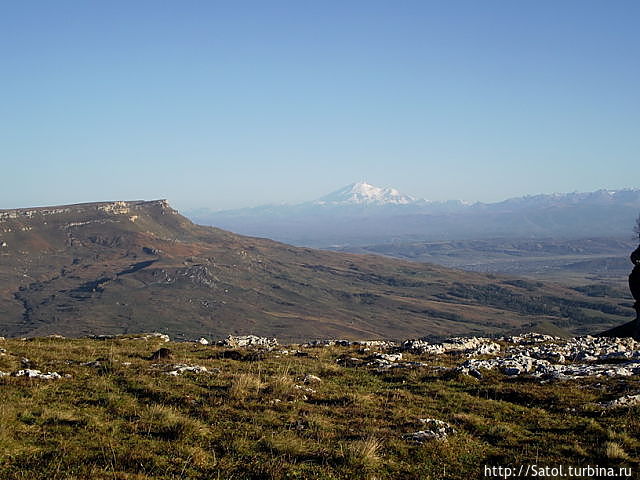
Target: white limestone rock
{"points": [[181, 368], [622, 402], [472, 346], [249, 341], [30, 373], [434, 430], [311, 379]]}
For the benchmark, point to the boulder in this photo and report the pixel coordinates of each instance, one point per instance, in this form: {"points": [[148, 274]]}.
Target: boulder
{"points": [[310, 379], [161, 354], [435, 430], [181, 368]]}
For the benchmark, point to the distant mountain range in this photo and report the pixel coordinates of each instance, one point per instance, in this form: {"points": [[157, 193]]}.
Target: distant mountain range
{"points": [[361, 214], [126, 267]]}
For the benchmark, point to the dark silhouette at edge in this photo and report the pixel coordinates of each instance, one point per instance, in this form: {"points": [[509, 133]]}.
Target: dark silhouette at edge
{"points": [[634, 286], [631, 329]]}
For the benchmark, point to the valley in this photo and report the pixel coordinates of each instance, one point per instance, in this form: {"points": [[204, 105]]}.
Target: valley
{"points": [[574, 262]]}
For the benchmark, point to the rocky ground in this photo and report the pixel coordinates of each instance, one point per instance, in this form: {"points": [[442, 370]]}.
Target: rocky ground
{"points": [[249, 407]]}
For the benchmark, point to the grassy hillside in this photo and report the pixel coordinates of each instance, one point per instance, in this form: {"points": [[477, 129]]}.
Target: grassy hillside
{"points": [[116, 414], [121, 267]]}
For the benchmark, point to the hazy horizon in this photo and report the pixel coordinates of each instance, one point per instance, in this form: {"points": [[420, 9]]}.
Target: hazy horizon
{"points": [[276, 203], [227, 106]]}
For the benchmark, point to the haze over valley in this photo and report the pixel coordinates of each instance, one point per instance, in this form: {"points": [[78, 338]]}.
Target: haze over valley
{"points": [[572, 238]]}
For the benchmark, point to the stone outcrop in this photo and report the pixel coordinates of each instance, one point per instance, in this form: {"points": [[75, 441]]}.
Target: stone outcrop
{"points": [[181, 368], [551, 357], [141, 336], [622, 402], [537, 355], [112, 208], [31, 373], [434, 430], [471, 346], [249, 341]]}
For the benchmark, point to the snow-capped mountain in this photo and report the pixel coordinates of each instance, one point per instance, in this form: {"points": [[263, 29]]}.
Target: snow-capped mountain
{"points": [[362, 193], [599, 197], [361, 214]]}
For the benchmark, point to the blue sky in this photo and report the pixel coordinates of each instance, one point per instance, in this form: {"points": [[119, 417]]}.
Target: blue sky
{"points": [[232, 104]]}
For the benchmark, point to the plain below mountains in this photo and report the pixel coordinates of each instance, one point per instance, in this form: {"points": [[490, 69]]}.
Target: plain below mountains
{"points": [[124, 267]]}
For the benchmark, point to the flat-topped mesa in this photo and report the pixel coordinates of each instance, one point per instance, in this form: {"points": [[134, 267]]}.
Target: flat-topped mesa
{"points": [[42, 229], [110, 208]]}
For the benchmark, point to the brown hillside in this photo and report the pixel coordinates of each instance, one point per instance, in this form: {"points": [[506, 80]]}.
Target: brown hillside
{"points": [[118, 267]]}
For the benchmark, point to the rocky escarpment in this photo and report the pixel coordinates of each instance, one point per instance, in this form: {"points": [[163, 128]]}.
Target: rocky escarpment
{"points": [[109, 208], [46, 228]]}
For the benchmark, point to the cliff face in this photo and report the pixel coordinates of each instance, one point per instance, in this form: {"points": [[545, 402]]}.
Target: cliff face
{"points": [[52, 228], [118, 267]]}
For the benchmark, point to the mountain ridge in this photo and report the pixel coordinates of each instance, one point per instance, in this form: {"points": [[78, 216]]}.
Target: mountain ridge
{"points": [[340, 222]]}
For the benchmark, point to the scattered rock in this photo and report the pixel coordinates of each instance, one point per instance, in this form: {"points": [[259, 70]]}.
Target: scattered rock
{"points": [[249, 341], [435, 430], [309, 379], [534, 354], [143, 336], [552, 357], [380, 344], [153, 336], [101, 337], [626, 401], [319, 343], [304, 389], [93, 364], [389, 357], [37, 374], [182, 368], [348, 361], [203, 341], [471, 346], [530, 338]]}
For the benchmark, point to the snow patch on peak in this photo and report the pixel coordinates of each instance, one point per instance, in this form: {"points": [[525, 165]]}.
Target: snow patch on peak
{"points": [[363, 193]]}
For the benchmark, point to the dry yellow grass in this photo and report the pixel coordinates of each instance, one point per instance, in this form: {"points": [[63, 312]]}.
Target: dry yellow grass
{"points": [[247, 419]]}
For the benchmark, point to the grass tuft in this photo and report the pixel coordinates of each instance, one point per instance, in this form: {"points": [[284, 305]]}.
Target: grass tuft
{"points": [[364, 452], [245, 385]]}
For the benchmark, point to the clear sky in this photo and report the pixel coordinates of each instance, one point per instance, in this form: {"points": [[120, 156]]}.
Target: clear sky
{"points": [[230, 104]]}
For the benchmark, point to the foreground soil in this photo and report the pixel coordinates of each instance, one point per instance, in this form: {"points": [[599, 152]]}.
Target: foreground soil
{"points": [[203, 412]]}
